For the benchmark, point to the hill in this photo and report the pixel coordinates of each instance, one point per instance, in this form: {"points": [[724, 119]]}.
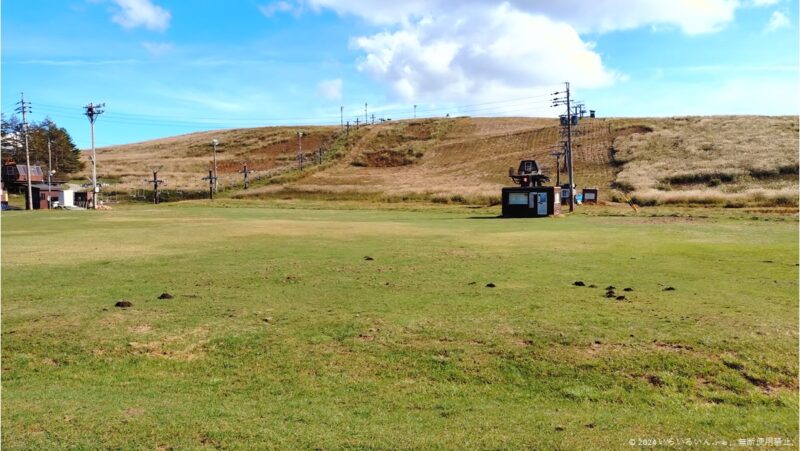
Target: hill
{"points": [[727, 160]]}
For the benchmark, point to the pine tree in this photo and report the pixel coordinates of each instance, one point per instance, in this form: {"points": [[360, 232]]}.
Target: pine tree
{"points": [[65, 155], [11, 139]]}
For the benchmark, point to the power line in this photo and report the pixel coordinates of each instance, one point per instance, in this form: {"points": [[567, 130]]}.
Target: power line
{"points": [[117, 118], [120, 116]]}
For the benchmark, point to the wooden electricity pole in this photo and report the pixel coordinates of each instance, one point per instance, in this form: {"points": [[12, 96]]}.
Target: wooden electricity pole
{"points": [[568, 151], [558, 166], [156, 182], [25, 108], [245, 172], [92, 112], [569, 155], [212, 179]]}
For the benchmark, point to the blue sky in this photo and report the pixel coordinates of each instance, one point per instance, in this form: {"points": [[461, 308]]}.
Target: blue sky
{"points": [[167, 67]]}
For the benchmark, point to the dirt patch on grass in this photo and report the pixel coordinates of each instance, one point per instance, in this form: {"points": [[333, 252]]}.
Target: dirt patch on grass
{"points": [[673, 346], [140, 328], [523, 343], [600, 349], [132, 412], [387, 158], [187, 346], [654, 380]]}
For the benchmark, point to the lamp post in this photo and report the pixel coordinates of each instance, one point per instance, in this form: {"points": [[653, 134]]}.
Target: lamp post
{"points": [[214, 143]]}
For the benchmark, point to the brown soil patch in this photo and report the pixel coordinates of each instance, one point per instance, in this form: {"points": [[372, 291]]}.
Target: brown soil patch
{"points": [[132, 412], [187, 346], [386, 158], [673, 346], [140, 328]]}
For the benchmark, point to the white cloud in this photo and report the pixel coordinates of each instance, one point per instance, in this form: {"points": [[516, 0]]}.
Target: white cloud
{"points": [[157, 49], [483, 50], [691, 16], [483, 54], [777, 21], [141, 13], [760, 3], [270, 9], [330, 89]]}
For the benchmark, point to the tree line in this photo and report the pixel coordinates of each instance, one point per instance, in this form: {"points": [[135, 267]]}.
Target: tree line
{"points": [[65, 155]]}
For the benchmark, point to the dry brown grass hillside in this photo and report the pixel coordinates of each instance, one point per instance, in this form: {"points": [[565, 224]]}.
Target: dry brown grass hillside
{"points": [[732, 160], [184, 160]]}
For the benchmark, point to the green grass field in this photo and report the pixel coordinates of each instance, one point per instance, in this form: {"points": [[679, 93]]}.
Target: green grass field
{"points": [[282, 335]]}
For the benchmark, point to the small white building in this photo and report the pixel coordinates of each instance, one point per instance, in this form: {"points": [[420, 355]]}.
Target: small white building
{"points": [[66, 198]]}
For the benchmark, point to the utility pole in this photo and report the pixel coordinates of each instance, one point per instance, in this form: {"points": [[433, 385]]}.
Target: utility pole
{"points": [[300, 149], [50, 172], [155, 183], [357, 123], [365, 114], [569, 155], [415, 111], [244, 171], [25, 108], [373, 118], [341, 115], [558, 166], [568, 151], [215, 143], [92, 111], [212, 180]]}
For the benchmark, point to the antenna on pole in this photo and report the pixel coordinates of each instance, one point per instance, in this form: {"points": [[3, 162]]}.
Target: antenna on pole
{"points": [[92, 112], [25, 108]]}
